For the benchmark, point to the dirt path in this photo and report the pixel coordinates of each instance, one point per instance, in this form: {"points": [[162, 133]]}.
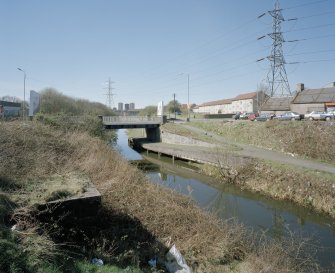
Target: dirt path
{"points": [[261, 153]]}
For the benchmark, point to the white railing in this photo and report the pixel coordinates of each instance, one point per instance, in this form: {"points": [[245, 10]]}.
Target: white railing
{"points": [[130, 119]]}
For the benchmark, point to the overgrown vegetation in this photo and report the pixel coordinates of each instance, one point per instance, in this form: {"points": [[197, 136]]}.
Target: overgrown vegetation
{"points": [[149, 111], [138, 220], [54, 102], [313, 140], [69, 114]]}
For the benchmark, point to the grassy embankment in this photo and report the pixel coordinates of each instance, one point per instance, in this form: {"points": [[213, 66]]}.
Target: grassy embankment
{"points": [[313, 140], [137, 221]]}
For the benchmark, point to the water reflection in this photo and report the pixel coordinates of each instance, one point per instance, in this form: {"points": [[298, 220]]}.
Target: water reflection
{"points": [[277, 218]]}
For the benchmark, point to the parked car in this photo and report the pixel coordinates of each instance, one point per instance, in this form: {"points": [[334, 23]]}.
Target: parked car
{"points": [[289, 116], [245, 115], [265, 117], [237, 115], [253, 116], [314, 115], [327, 116]]}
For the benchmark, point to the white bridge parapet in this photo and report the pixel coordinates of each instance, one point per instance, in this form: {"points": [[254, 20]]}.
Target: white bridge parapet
{"points": [[125, 120]]}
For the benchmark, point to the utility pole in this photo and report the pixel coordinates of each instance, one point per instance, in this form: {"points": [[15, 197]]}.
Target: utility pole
{"points": [[174, 105], [188, 97], [277, 78], [24, 94], [110, 101]]}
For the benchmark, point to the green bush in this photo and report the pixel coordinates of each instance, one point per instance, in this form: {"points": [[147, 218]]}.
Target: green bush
{"points": [[54, 102], [12, 257]]}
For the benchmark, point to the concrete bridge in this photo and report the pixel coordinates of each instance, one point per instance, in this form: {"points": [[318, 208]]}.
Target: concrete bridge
{"points": [[151, 124]]}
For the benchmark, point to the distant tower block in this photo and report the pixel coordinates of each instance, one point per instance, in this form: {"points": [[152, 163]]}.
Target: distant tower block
{"points": [[126, 106], [132, 106], [120, 106]]}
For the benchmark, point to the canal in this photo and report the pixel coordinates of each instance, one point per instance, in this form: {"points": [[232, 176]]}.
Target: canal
{"points": [[277, 218]]}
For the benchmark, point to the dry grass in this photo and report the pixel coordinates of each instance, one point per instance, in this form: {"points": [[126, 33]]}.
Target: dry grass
{"points": [[37, 152], [182, 131], [307, 188]]}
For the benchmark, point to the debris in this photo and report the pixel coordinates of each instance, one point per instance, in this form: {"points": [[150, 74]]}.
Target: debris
{"points": [[175, 262], [153, 262], [97, 262]]}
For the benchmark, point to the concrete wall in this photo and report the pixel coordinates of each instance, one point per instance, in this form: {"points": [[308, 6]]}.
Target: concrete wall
{"points": [[153, 134], [213, 109], [307, 108], [248, 105], [170, 138], [242, 106], [274, 112]]}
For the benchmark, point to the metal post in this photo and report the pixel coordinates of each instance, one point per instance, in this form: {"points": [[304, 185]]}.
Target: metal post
{"points": [[24, 93], [174, 105], [188, 97]]}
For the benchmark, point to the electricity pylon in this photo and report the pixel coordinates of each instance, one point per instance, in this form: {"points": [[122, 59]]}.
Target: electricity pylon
{"points": [[110, 101], [277, 78]]}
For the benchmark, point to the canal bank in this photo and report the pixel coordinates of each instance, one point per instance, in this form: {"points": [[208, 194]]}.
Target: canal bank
{"points": [[280, 176], [278, 218]]}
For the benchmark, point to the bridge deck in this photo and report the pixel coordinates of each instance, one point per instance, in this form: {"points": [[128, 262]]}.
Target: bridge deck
{"points": [[117, 122]]}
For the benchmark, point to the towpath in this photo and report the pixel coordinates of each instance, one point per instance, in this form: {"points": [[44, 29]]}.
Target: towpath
{"points": [[261, 153]]}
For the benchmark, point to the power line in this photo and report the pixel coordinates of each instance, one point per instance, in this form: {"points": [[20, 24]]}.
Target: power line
{"points": [[312, 52], [204, 44], [307, 4], [308, 28], [312, 61], [311, 38], [311, 16], [214, 54]]}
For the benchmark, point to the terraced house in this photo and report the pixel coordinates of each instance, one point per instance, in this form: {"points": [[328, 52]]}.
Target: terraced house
{"points": [[319, 99], [247, 102]]}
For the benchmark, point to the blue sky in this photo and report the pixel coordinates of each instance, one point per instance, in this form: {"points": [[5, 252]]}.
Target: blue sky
{"points": [[147, 47]]}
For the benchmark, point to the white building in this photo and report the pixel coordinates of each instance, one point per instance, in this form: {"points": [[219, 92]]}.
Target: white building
{"points": [[248, 102]]}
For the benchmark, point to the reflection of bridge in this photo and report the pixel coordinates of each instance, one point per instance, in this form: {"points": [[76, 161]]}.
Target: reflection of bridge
{"points": [[151, 124]]}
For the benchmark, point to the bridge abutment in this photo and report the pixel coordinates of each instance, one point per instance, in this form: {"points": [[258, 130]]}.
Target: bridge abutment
{"points": [[153, 134]]}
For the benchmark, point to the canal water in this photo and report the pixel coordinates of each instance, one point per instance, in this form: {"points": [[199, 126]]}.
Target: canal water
{"points": [[276, 218]]}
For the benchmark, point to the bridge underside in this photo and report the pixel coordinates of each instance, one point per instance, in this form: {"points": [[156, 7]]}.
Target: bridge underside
{"points": [[152, 130], [130, 126]]}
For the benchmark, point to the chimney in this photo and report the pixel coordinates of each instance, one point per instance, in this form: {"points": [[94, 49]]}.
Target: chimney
{"points": [[300, 87]]}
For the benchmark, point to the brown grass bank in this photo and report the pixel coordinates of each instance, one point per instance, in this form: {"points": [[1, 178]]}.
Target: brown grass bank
{"points": [[132, 206], [306, 188]]}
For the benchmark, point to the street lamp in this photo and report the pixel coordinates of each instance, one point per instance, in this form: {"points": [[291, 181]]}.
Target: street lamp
{"points": [[188, 95], [24, 93]]}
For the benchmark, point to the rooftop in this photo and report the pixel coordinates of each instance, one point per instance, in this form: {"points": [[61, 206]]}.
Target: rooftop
{"points": [[245, 96], [320, 95]]}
